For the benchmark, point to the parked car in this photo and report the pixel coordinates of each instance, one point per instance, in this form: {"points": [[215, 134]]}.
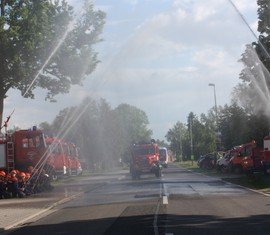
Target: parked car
{"points": [[207, 161], [224, 161]]}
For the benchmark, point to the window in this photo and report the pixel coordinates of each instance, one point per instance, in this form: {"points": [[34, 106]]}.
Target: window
{"points": [[25, 143]]}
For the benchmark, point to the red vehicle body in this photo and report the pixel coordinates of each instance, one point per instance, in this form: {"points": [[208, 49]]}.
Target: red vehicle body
{"points": [[75, 165], [248, 158], [22, 149], [60, 162], [145, 160], [65, 157]]}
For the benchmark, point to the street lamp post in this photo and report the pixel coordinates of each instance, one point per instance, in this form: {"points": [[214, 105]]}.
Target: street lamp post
{"points": [[215, 98], [213, 85]]}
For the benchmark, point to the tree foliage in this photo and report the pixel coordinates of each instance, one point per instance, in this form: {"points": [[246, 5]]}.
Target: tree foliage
{"points": [[29, 32]]}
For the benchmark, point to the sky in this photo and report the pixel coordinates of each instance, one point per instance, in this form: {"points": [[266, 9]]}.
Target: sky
{"points": [[160, 56]]}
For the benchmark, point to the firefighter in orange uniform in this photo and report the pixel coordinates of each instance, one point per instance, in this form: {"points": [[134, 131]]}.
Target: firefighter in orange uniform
{"points": [[13, 185]]}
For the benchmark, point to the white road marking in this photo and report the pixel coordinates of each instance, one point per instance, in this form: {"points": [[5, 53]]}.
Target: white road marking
{"points": [[156, 218], [121, 177], [165, 200]]}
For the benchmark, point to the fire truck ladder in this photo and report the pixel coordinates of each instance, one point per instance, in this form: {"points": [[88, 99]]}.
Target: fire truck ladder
{"points": [[10, 156]]}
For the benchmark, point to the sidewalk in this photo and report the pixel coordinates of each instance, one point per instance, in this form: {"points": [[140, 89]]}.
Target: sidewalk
{"points": [[17, 211]]}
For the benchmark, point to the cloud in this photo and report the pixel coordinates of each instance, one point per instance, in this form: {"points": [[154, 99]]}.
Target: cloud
{"points": [[195, 27]]}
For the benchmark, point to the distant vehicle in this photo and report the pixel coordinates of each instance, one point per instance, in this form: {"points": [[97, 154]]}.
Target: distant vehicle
{"points": [[145, 160], [163, 156], [207, 161]]}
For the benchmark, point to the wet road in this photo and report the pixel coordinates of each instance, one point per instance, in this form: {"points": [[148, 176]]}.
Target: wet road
{"points": [[181, 202]]}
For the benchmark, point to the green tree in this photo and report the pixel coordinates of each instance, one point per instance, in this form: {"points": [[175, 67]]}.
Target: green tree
{"points": [[203, 134], [29, 32], [178, 138], [233, 124], [130, 127], [238, 126]]}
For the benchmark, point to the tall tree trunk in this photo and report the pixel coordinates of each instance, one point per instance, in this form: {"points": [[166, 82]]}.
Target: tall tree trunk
{"points": [[3, 4]]}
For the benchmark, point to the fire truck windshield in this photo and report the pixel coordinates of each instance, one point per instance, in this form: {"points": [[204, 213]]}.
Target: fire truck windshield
{"points": [[33, 141], [144, 150]]}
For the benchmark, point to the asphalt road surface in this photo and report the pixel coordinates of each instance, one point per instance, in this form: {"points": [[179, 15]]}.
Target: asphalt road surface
{"points": [[181, 202]]}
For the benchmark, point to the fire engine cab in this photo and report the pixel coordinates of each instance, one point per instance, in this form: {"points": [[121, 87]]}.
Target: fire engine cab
{"points": [[22, 149]]}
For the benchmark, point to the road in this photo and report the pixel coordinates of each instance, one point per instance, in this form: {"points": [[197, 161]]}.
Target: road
{"points": [[181, 202]]}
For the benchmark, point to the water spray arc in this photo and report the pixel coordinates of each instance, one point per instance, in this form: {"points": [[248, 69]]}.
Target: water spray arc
{"points": [[258, 74], [250, 29]]}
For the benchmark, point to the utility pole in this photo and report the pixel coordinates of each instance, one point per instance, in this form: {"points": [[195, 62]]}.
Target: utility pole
{"points": [[181, 147], [215, 99], [191, 139]]}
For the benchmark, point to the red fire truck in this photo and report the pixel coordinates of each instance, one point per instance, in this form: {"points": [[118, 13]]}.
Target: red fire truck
{"points": [[248, 158], [145, 160]]}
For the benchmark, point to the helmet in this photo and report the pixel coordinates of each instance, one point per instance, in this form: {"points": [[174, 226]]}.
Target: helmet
{"points": [[13, 172], [27, 175], [2, 173], [22, 174]]}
